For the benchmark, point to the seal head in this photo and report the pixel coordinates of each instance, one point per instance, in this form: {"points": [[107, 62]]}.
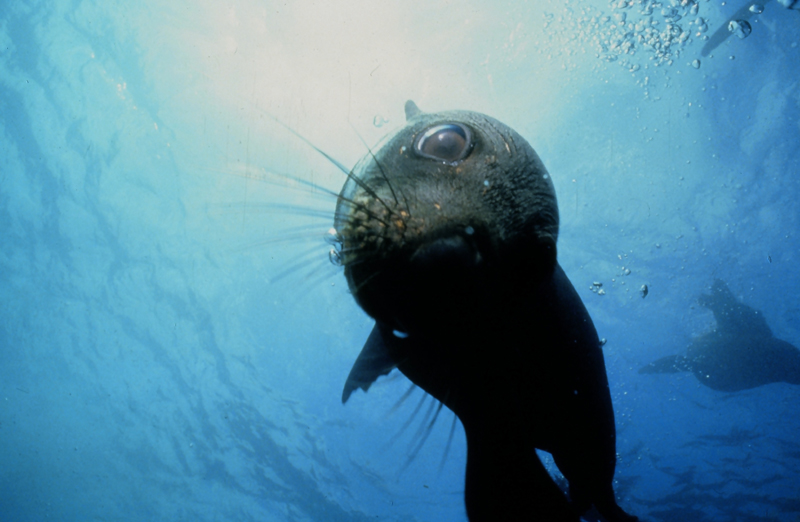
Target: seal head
{"points": [[453, 206]]}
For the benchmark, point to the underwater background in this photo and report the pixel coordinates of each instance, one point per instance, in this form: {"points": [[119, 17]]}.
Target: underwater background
{"points": [[174, 339]]}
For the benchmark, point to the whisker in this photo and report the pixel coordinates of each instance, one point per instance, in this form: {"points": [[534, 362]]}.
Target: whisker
{"points": [[425, 427], [306, 259], [306, 228], [316, 189], [305, 140], [287, 238], [408, 422], [263, 175], [309, 282], [449, 443], [356, 262], [422, 427], [327, 156], [361, 206], [371, 192], [423, 432], [267, 208], [338, 164], [365, 281], [378, 163], [402, 399]]}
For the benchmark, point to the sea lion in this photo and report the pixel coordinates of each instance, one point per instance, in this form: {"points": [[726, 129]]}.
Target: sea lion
{"points": [[447, 234], [741, 353]]}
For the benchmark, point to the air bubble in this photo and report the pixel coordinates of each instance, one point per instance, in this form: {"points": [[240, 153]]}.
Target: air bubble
{"points": [[741, 28], [332, 237], [696, 64], [757, 8]]}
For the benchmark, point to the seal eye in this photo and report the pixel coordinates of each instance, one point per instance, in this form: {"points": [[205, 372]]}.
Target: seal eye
{"points": [[449, 142]]}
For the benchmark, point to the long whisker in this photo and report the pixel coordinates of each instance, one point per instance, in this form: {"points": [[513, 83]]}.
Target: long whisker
{"points": [[283, 208], [299, 236], [411, 418], [449, 442], [361, 206], [305, 228], [378, 163], [402, 399], [339, 165], [327, 156], [306, 259], [365, 281], [328, 192], [423, 432], [306, 141], [264, 175], [309, 282], [306, 183]]}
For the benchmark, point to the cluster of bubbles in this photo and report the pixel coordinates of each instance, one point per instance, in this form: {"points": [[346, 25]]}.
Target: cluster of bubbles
{"points": [[657, 29], [597, 286], [335, 240]]}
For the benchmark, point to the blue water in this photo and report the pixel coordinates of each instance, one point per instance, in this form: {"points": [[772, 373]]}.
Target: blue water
{"points": [[174, 341]]}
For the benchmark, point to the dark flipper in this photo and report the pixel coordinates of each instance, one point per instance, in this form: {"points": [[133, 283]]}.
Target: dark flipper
{"points": [[733, 317], [668, 364], [372, 362], [507, 483]]}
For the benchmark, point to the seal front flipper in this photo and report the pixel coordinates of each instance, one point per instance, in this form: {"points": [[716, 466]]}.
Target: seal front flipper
{"points": [[372, 362], [733, 317], [668, 364]]}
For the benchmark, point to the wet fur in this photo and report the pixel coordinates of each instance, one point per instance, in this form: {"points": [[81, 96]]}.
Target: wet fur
{"points": [[485, 320]]}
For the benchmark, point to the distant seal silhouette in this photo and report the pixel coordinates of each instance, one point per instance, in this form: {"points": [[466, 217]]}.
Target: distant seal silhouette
{"points": [[741, 353], [447, 234]]}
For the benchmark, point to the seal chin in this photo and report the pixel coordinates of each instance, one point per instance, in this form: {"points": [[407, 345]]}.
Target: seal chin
{"points": [[443, 277]]}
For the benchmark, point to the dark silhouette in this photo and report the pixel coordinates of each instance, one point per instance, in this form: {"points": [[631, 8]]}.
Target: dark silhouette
{"points": [[448, 239], [741, 353]]}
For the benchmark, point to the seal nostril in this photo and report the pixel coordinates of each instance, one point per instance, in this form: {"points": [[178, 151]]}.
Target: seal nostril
{"points": [[447, 254]]}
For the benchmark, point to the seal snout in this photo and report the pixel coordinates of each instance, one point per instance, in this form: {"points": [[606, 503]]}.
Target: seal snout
{"points": [[447, 254]]}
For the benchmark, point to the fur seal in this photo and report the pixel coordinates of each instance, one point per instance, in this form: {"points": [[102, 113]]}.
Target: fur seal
{"points": [[741, 353], [447, 234]]}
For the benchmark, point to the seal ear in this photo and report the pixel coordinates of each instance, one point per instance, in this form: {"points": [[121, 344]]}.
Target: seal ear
{"points": [[411, 110]]}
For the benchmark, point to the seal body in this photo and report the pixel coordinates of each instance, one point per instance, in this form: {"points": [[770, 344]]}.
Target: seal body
{"points": [[448, 239], [739, 354]]}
